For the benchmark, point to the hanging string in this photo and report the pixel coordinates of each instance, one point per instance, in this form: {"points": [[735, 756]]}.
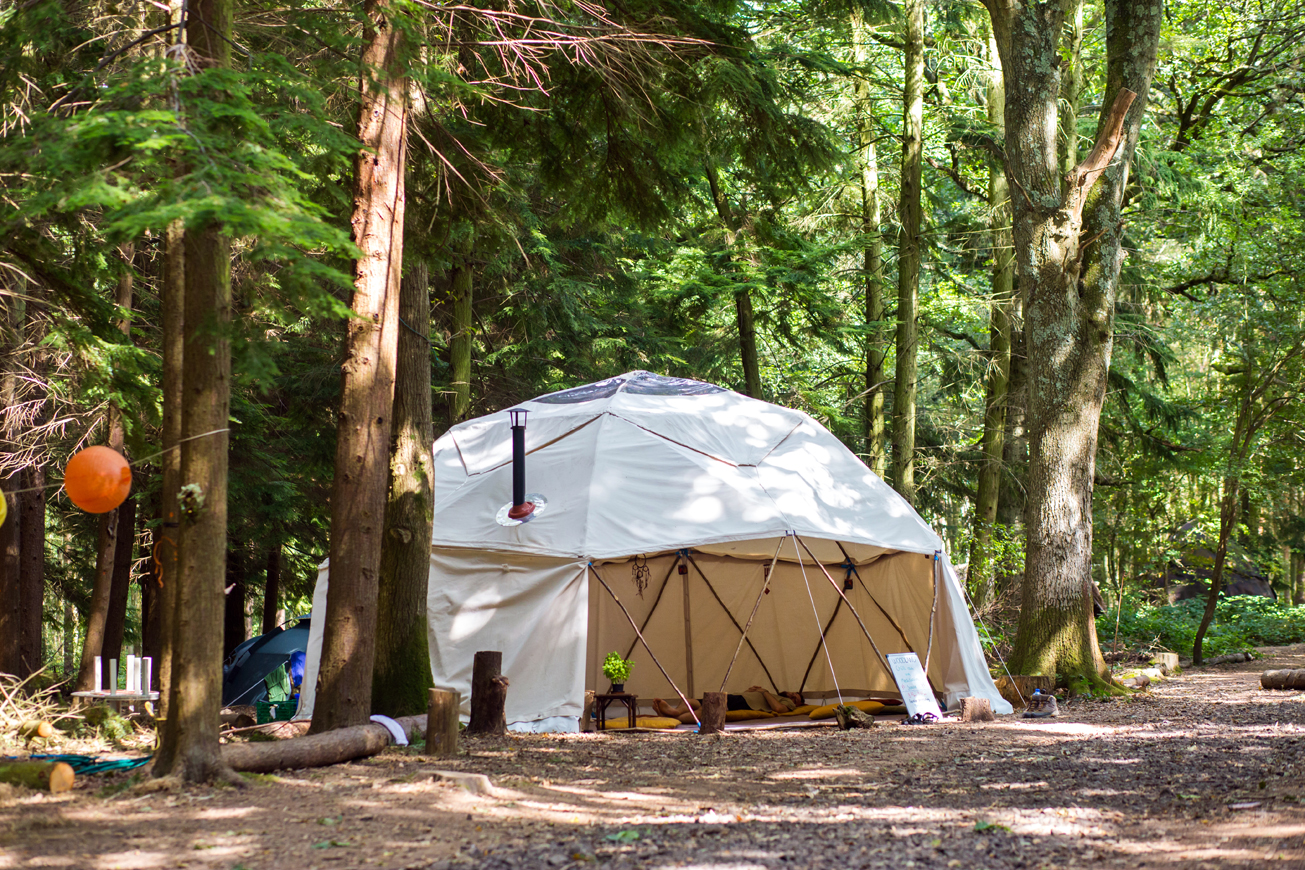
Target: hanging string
{"points": [[133, 462], [816, 614]]}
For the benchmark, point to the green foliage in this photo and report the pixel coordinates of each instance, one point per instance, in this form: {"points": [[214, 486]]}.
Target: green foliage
{"points": [[616, 668], [1241, 623]]}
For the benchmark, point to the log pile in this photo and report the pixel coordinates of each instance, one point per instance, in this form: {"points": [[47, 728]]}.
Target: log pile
{"points": [[1293, 679]]}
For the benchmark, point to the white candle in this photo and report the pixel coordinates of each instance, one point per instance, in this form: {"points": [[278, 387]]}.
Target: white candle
{"points": [[113, 676], [147, 676], [98, 675]]}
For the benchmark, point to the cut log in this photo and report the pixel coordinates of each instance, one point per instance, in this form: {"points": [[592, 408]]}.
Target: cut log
{"points": [[488, 694], [711, 716], [1138, 681], [52, 776], [1229, 659], [1018, 689], [976, 710], [240, 716], [850, 717], [317, 750], [34, 728], [442, 722], [1165, 661], [1289, 679]]}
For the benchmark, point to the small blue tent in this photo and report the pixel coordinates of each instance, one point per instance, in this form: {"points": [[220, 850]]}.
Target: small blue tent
{"points": [[249, 664]]}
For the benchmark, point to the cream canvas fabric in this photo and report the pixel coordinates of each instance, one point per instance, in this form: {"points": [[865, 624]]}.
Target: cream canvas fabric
{"points": [[667, 470]]}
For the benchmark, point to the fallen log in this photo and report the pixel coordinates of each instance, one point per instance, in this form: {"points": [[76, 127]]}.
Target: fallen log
{"points": [[316, 750], [1288, 679], [33, 728], [52, 776]]}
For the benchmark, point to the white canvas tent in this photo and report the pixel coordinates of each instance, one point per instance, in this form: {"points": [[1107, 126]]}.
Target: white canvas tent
{"points": [[677, 497]]}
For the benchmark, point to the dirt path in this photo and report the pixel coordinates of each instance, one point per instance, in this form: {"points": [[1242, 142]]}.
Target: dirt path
{"points": [[1206, 770]]}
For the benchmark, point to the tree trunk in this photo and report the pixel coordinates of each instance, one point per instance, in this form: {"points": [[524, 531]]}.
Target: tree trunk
{"points": [[711, 716], [233, 609], [168, 534], [981, 577], [1228, 511], [1069, 326], [460, 339], [115, 624], [151, 623], [10, 600], [908, 256], [744, 318], [31, 570], [344, 683], [106, 542], [188, 742], [1071, 88], [872, 254], [402, 677], [273, 615]]}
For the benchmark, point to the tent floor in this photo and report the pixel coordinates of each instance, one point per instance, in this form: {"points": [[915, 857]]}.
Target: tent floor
{"points": [[761, 725]]}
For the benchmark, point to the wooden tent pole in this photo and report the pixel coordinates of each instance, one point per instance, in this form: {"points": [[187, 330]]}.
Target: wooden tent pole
{"points": [[764, 586], [937, 566], [714, 594], [647, 619], [633, 625], [834, 583], [819, 645], [688, 628]]}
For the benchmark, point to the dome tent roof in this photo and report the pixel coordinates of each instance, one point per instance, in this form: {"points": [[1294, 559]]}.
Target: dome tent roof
{"points": [[643, 463]]}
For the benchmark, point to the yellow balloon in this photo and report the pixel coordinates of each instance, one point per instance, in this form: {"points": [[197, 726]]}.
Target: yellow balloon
{"points": [[4, 508]]}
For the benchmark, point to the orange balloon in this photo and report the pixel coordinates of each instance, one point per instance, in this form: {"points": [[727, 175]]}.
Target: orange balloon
{"points": [[97, 479]]}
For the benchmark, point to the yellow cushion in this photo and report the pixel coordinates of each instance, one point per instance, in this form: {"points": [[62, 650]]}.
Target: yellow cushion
{"points": [[744, 715], [827, 711], [802, 711], [641, 722]]}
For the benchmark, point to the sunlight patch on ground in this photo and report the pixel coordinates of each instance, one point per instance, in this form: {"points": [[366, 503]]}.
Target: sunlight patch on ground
{"points": [[224, 813], [815, 773], [133, 860]]}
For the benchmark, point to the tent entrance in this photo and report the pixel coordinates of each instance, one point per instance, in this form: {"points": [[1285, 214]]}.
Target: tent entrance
{"points": [[712, 620]]}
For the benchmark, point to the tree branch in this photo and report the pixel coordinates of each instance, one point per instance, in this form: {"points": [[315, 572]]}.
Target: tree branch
{"points": [[1086, 173]]}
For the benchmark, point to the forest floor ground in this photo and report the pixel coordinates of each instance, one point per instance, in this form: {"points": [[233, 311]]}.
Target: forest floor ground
{"points": [[1204, 771]]}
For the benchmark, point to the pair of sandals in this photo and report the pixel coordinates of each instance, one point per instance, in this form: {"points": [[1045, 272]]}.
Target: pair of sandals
{"points": [[923, 718]]}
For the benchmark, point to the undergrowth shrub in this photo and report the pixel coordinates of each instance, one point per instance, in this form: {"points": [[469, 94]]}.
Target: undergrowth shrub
{"points": [[1240, 623]]}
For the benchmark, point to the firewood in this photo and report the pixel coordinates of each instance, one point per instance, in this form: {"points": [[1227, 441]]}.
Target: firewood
{"points": [[850, 717], [52, 776], [488, 694], [976, 710], [442, 722], [33, 728], [712, 713]]}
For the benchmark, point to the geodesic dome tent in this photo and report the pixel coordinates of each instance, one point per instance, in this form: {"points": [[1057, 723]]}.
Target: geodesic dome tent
{"points": [[742, 539]]}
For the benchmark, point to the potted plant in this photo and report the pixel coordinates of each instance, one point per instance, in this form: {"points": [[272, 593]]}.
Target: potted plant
{"points": [[617, 670]]}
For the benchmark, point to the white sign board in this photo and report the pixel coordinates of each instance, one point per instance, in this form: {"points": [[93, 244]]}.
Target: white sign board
{"points": [[916, 694]]}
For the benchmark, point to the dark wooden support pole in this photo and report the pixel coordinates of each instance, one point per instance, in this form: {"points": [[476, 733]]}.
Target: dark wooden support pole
{"points": [[442, 723], [488, 694], [712, 719]]}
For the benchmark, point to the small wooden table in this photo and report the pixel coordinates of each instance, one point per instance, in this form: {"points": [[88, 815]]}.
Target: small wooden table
{"points": [[600, 707]]}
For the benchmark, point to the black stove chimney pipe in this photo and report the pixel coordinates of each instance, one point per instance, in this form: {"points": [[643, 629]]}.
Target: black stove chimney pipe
{"points": [[520, 507]]}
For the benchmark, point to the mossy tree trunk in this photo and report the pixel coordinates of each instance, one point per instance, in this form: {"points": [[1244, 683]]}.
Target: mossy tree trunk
{"points": [[981, 577], [401, 677], [1068, 245]]}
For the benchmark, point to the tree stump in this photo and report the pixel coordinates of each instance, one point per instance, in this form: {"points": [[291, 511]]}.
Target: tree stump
{"points": [[488, 694], [976, 710], [1018, 689], [850, 717], [1165, 661], [34, 728], [52, 776], [587, 716], [1290, 679], [442, 723], [711, 717]]}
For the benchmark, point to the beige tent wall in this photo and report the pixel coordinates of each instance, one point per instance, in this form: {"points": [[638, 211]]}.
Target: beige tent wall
{"points": [[785, 632]]}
